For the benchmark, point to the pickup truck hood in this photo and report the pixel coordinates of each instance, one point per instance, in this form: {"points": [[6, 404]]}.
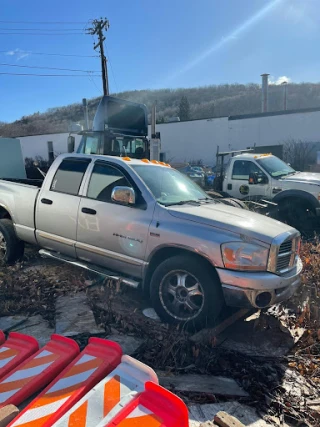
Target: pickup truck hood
{"points": [[307, 177], [236, 220]]}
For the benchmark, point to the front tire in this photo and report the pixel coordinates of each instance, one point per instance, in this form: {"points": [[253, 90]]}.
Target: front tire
{"points": [[184, 290], [11, 248], [298, 215]]}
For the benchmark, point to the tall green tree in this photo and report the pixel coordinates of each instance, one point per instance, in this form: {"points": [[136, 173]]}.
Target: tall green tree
{"points": [[184, 109]]}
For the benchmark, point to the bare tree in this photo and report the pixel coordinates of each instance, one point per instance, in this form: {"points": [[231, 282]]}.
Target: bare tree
{"points": [[300, 154]]}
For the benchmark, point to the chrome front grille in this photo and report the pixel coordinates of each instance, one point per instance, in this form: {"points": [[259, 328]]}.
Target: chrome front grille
{"points": [[286, 255]]}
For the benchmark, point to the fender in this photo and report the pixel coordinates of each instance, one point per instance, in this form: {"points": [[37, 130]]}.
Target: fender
{"points": [[300, 194]]}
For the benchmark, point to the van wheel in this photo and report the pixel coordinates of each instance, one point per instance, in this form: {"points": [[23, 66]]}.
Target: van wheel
{"points": [[11, 248], [183, 290]]}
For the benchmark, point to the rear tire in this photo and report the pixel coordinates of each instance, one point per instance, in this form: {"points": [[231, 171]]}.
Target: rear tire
{"points": [[11, 248], [184, 290]]}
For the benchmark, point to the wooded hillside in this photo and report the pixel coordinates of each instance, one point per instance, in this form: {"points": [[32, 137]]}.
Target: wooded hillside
{"points": [[204, 102]]}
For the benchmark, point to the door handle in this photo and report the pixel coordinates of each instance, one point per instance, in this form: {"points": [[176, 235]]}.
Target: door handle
{"points": [[46, 201], [88, 211]]}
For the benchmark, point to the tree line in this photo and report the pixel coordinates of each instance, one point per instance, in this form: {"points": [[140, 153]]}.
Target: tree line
{"points": [[188, 104]]}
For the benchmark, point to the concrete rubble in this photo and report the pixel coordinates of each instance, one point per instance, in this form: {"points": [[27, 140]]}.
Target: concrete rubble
{"points": [[128, 343], [7, 414], [74, 316], [37, 327], [216, 385], [199, 414], [259, 335], [8, 323]]}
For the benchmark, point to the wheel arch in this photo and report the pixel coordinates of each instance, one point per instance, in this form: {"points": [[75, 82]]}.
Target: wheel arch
{"points": [[304, 196], [165, 252], [4, 213]]}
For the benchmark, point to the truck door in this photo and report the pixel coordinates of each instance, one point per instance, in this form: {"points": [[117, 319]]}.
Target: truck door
{"points": [[238, 186], [58, 204], [109, 234]]}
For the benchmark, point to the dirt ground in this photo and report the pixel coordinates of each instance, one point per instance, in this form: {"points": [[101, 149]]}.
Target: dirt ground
{"points": [[283, 384]]}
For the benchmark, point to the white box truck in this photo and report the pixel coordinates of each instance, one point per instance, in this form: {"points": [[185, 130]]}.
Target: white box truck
{"points": [[11, 159]]}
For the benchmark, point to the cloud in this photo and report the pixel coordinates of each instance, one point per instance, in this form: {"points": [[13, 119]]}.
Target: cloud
{"points": [[279, 80], [18, 53]]}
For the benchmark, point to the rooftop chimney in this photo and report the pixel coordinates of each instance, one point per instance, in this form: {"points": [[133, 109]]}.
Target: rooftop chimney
{"points": [[265, 83]]}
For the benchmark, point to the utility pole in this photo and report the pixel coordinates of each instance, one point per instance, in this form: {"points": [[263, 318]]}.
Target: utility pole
{"points": [[98, 25], [85, 110]]}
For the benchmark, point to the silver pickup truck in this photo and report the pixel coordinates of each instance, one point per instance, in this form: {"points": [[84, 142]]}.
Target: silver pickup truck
{"points": [[145, 224]]}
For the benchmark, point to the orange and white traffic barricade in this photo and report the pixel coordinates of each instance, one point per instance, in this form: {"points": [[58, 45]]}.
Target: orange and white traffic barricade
{"points": [[2, 337], [109, 397], [15, 350], [38, 370], [155, 407], [97, 360]]}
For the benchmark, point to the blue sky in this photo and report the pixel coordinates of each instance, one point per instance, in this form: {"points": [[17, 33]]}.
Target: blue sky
{"points": [[154, 44]]}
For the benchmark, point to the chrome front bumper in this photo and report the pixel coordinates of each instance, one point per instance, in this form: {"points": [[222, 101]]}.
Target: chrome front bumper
{"points": [[241, 289]]}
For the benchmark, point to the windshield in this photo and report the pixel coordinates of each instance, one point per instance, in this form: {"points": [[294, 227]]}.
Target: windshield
{"points": [[275, 167], [168, 185], [100, 143]]}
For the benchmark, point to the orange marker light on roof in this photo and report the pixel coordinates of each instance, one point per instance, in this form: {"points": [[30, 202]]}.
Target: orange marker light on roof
{"points": [[162, 163], [145, 160], [127, 159], [155, 162]]}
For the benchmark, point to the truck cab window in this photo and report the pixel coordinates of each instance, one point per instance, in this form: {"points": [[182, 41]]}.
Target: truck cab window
{"points": [[103, 180], [69, 176], [243, 168], [91, 145]]}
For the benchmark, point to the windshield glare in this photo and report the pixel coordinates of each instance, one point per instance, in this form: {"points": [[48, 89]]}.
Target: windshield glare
{"points": [[275, 167], [168, 185]]}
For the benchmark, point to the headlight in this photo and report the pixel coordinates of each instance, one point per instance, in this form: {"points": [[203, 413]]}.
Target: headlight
{"points": [[244, 256]]}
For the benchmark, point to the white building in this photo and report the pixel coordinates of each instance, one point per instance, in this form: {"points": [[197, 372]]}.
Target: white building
{"points": [[198, 139]]}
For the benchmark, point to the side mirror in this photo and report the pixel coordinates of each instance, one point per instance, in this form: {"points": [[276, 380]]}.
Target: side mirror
{"points": [[123, 195], [71, 143], [264, 180], [253, 179]]}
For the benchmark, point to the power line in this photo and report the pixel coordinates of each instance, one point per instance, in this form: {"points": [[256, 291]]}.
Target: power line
{"points": [[48, 68], [49, 54], [113, 75], [43, 22], [91, 79], [41, 29], [49, 75], [43, 34]]}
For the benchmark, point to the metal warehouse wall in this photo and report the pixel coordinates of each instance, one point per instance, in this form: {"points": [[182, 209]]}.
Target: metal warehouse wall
{"points": [[198, 139], [194, 140], [272, 130], [33, 146]]}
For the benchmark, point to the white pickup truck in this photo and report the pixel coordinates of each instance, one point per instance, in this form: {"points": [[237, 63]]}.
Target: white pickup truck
{"points": [[145, 224], [266, 177]]}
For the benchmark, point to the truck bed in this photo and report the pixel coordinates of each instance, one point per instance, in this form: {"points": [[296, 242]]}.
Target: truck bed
{"points": [[33, 182], [19, 197]]}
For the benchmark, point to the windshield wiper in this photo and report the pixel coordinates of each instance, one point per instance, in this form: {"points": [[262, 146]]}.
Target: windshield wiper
{"points": [[184, 202], [287, 174], [292, 173]]}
